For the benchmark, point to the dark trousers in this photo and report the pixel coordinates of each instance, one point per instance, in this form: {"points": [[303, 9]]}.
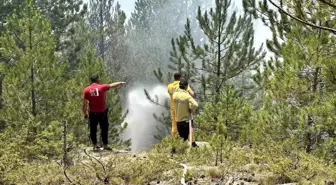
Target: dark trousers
{"points": [[183, 129], [101, 118]]}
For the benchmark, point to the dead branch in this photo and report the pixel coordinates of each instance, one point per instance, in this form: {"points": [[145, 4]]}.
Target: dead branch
{"points": [[65, 174], [90, 156]]}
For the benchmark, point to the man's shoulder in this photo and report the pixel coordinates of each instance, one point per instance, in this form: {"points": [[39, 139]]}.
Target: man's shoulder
{"points": [[172, 86], [180, 92], [87, 88]]}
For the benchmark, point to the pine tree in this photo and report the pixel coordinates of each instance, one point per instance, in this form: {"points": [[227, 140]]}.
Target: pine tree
{"points": [[40, 96], [64, 15], [149, 27], [6, 8], [153, 23], [226, 54], [33, 83], [231, 110], [108, 25], [229, 51], [301, 79]]}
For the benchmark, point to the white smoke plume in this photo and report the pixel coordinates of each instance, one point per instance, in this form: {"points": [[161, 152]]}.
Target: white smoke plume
{"points": [[142, 125]]}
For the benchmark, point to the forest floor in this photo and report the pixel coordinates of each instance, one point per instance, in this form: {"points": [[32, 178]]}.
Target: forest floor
{"points": [[182, 173], [234, 166]]}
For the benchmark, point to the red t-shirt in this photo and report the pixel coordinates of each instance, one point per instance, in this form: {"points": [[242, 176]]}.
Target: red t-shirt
{"points": [[95, 94]]}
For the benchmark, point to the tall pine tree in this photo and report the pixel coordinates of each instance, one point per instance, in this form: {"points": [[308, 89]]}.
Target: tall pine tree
{"points": [[64, 15], [228, 51], [153, 23], [6, 8], [108, 25], [301, 78], [33, 90]]}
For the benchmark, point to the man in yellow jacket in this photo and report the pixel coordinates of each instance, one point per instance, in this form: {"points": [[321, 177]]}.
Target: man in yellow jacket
{"points": [[184, 105], [173, 87]]}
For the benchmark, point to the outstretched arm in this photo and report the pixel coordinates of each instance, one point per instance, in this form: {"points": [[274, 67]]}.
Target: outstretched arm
{"points": [[117, 84]]}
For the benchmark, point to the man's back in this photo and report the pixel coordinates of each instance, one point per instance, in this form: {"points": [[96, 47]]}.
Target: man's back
{"points": [[172, 88], [182, 100], [95, 94]]}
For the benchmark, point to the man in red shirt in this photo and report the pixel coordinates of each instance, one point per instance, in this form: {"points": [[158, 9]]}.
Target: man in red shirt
{"points": [[94, 95]]}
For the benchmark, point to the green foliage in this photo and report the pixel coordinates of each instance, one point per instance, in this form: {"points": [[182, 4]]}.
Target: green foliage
{"points": [[276, 163], [299, 82], [40, 97], [107, 23], [92, 64], [64, 16], [170, 142], [295, 165], [32, 85], [228, 116], [151, 27], [291, 138], [224, 121], [226, 54]]}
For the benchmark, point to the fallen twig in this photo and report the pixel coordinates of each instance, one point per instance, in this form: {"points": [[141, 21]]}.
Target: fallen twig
{"points": [[95, 159], [65, 174]]}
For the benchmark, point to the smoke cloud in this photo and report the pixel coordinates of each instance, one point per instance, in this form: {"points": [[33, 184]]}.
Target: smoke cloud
{"points": [[142, 125]]}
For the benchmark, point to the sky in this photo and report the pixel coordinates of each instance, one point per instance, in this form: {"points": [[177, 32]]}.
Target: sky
{"points": [[127, 6]]}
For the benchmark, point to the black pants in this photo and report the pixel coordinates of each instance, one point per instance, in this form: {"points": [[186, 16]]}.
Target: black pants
{"points": [[101, 118], [183, 129]]}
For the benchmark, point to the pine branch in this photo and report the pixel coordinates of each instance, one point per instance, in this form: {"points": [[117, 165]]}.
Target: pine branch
{"points": [[18, 39], [328, 3], [153, 101], [5, 60], [303, 21]]}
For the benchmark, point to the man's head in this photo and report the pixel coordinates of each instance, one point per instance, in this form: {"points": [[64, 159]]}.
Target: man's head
{"points": [[94, 78], [183, 84], [177, 76]]}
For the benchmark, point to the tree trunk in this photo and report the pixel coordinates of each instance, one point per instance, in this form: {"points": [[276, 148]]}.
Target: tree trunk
{"points": [[2, 122], [309, 145], [101, 25], [1, 80], [221, 151], [65, 152], [216, 163], [310, 121], [219, 55], [33, 96]]}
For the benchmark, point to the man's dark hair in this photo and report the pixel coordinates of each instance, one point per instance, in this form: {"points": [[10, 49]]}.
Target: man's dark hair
{"points": [[177, 76], [94, 78], [183, 84]]}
